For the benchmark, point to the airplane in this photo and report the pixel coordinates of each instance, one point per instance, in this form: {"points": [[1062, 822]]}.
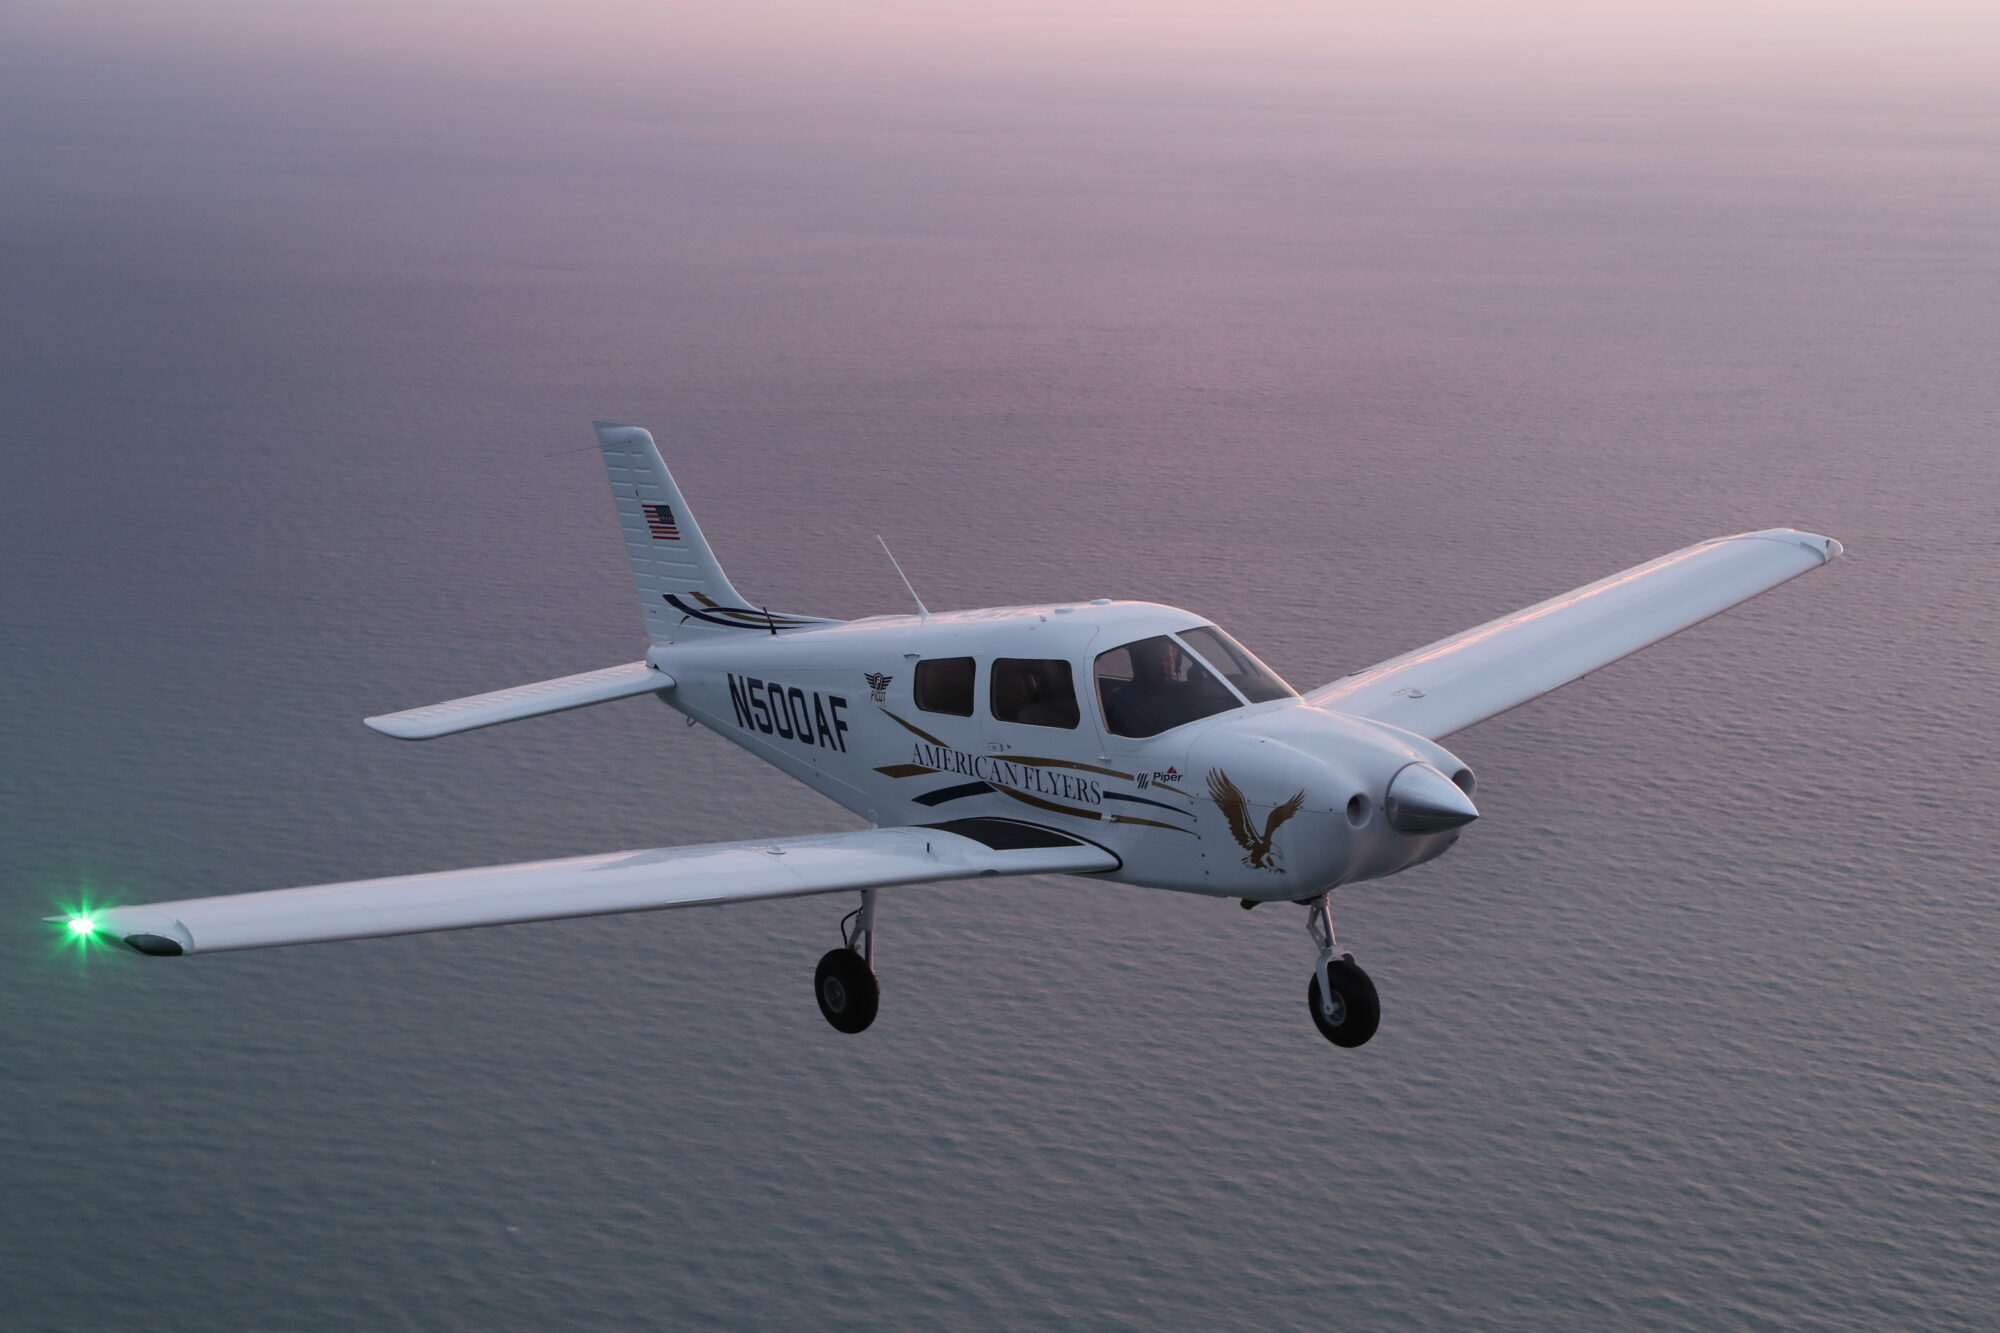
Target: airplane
{"points": [[1111, 740]]}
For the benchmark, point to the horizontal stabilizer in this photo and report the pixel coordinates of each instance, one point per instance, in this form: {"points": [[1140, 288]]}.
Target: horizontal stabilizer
{"points": [[643, 881], [1470, 677], [511, 705]]}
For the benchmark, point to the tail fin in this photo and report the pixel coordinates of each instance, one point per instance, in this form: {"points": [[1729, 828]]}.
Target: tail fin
{"points": [[682, 588]]}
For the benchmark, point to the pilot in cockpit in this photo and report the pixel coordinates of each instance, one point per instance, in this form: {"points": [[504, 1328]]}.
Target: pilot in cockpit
{"points": [[1166, 689]]}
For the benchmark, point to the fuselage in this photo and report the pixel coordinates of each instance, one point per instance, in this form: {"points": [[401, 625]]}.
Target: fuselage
{"points": [[1017, 713]]}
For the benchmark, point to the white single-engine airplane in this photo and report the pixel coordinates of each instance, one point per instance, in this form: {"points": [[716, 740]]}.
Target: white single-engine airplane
{"points": [[1123, 740]]}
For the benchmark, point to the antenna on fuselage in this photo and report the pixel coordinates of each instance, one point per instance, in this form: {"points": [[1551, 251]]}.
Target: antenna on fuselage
{"points": [[922, 614]]}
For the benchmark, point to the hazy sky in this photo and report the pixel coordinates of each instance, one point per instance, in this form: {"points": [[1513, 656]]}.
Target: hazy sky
{"points": [[1770, 39]]}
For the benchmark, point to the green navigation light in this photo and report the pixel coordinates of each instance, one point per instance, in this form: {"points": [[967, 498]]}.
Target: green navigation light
{"points": [[75, 925]]}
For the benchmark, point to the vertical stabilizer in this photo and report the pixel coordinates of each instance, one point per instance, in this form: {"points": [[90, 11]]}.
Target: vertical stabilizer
{"points": [[682, 588]]}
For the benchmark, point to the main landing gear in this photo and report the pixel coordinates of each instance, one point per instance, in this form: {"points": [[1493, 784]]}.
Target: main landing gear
{"points": [[1342, 998], [845, 985]]}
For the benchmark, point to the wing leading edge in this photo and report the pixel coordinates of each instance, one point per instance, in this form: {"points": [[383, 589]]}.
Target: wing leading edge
{"points": [[1469, 677], [642, 881]]}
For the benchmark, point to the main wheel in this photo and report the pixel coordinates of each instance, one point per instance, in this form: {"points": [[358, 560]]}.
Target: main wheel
{"points": [[845, 987], [1351, 1015]]}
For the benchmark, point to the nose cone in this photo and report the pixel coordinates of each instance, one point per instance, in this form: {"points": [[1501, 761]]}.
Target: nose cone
{"points": [[1423, 800]]}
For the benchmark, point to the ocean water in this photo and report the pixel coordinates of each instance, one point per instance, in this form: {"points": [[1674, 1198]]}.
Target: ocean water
{"points": [[1696, 1028]]}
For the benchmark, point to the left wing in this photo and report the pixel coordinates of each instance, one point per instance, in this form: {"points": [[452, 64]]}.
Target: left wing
{"points": [[1469, 677], [643, 881]]}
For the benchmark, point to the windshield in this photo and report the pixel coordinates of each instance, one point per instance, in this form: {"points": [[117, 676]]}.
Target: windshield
{"points": [[1154, 685], [1252, 679]]}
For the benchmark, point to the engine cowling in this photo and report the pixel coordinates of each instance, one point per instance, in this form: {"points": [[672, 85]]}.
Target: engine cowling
{"points": [[1314, 799]]}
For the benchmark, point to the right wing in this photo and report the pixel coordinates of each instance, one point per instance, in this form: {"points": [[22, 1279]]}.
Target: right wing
{"points": [[597, 886], [1470, 677]]}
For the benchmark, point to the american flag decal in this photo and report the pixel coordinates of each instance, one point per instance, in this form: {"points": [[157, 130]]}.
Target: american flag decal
{"points": [[660, 522]]}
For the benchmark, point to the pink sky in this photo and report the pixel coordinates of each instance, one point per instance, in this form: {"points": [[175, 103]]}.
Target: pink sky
{"points": [[1871, 41]]}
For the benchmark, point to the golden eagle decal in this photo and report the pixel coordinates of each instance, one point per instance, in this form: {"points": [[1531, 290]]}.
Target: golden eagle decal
{"points": [[1229, 799]]}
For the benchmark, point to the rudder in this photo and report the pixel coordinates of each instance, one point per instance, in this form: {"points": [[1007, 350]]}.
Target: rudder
{"points": [[682, 589]]}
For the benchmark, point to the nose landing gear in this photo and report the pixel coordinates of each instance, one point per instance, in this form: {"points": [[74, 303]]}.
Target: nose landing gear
{"points": [[844, 983], [1342, 998]]}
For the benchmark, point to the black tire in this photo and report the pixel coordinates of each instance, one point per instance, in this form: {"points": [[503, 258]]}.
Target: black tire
{"points": [[845, 987], [1358, 1012]]}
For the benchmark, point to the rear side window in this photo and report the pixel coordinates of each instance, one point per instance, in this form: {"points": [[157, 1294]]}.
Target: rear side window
{"points": [[1255, 681], [944, 685], [1035, 691]]}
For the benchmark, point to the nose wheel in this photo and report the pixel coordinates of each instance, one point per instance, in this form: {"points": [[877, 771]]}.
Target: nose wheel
{"points": [[1345, 1010], [844, 983], [1341, 997]]}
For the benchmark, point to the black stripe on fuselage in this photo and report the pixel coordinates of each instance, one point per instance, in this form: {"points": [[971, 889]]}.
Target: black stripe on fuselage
{"points": [[943, 794], [1146, 800]]}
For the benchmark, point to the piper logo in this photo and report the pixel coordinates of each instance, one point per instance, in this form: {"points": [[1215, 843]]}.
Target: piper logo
{"points": [[1157, 779]]}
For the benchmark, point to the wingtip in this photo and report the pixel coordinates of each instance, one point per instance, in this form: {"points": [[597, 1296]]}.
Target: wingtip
{"points": [[139, 930], [1826, 548]]}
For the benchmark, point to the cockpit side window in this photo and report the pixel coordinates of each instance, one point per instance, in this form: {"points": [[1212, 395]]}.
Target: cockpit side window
{"points": [[944, 685], [1252, 679], [1154, 685], [1038, 692]]}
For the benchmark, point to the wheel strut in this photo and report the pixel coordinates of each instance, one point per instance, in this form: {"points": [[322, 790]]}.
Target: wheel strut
{"points": [[861, 937], [1341, 997], [1319, 925]]}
